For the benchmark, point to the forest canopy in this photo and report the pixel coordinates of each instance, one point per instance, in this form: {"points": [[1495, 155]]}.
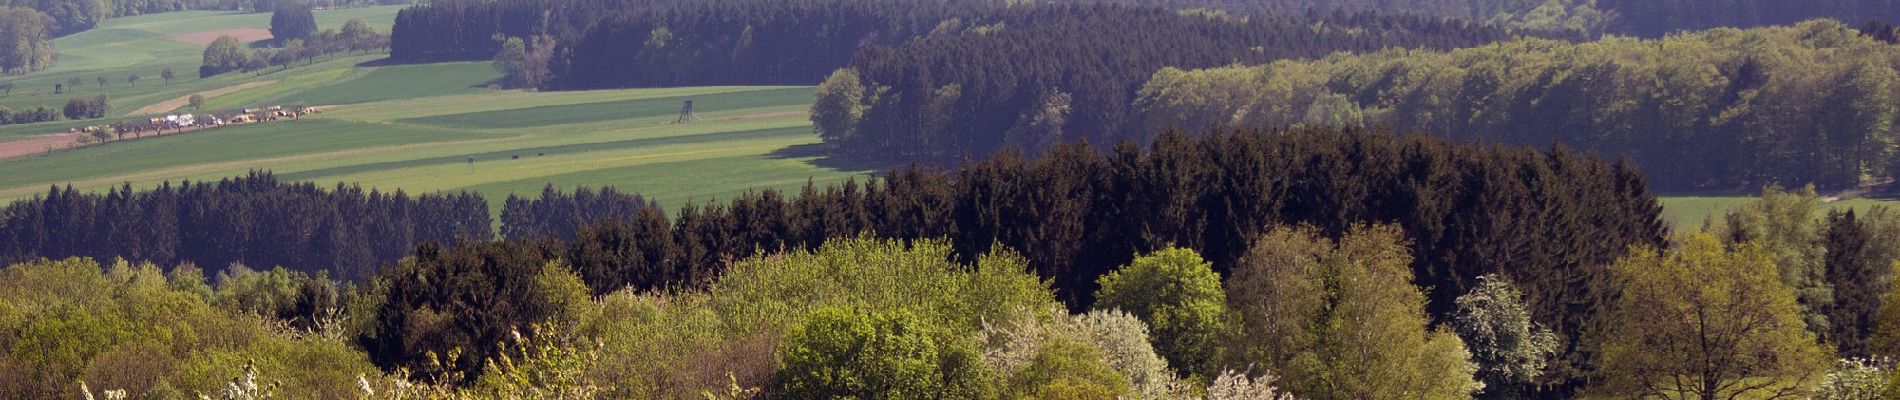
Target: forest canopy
{"points": [[26, 45], [1724, 109], [1052, 75]]}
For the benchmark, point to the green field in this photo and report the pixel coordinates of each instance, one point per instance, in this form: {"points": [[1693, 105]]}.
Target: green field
{"points": [[747, 138], [143, 45], [1688, 212]]}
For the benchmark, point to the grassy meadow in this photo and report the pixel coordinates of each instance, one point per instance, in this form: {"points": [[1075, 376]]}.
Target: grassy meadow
{"points": [[1689, 212], [747, 137], [144, 45], [408, 127]]}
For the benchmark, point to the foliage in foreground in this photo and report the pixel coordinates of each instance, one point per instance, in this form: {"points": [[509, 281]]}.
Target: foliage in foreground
{"points": [[1747, 329], [132, 328], [1343, 320]]}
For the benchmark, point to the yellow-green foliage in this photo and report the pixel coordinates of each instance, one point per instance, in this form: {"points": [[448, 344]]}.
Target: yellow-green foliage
{"points": [[131, 327], [1342, 320], [1814, 102], [839, 353], [686, 345], [871, 274], [1706, 301], [1785, 224], [1179, 296], [1064, 369]]}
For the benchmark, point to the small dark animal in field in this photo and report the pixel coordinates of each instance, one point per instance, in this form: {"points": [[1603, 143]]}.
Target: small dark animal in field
{"points": [[515, 157]]}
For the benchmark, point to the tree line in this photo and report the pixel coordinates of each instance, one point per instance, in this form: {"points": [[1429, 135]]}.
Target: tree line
{"points": [[66, 17], [254, 220], [606, 45], [1723, 109], [296, 40], [1051, 75], [26, 43], [1646, 18]]}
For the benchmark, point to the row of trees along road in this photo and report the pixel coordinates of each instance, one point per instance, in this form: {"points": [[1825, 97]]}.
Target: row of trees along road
{"points": [[296, 40]]}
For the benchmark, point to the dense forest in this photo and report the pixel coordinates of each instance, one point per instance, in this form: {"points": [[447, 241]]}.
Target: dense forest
{"points": [[254, 220], [1057, 75], [607, 45], [1646, 18], [1723, 109], [1549, 221]]}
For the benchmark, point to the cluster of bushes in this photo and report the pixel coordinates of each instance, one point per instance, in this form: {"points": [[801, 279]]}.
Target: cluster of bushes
{"points": [[83, 109], [1723, 109], [28, 115], [155, 334], [227, 54]]}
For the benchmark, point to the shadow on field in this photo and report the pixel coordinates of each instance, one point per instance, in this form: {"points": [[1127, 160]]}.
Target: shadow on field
{"points": [[825, 155]]}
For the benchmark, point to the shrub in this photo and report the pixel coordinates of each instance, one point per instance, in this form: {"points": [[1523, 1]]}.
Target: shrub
{"points": [[837, 353], [1854, 379], [1180, 297]]}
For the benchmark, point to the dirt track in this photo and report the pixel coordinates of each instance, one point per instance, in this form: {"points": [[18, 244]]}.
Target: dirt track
{"points": [[173, 104]]}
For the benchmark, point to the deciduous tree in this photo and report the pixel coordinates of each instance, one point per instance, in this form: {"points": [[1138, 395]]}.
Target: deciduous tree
{"points": [[292, 20], [1341, 320], [1179, 296], [1708, 321], [1510, 349]]}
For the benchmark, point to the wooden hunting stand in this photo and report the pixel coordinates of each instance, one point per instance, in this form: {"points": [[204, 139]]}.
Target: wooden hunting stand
{"points": [[686, 113]]}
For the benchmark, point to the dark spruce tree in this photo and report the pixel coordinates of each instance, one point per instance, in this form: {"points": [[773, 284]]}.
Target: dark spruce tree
{"points": [[254, 220]]}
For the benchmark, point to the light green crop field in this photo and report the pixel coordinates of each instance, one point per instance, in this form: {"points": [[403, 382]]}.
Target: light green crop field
{"points": [[144, 45], [747, 138]]}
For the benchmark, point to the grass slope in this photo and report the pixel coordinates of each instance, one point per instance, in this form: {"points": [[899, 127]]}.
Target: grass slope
{"points": [[1688, 212], [141, 45]]}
